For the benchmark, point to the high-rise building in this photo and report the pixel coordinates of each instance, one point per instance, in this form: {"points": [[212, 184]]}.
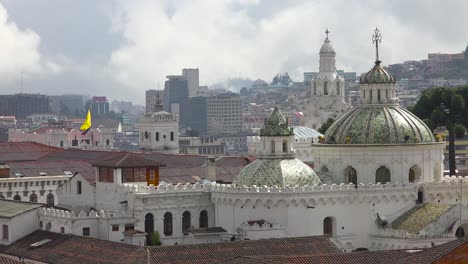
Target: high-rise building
{"points": [[175, 92], [152, 98], [67, 104], [193, 80], [98, 105], [224, 114], [22, 105], [193, 114]]}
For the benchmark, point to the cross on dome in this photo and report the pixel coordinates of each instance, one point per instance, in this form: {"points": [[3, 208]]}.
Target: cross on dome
{"points": [[327, 32], [377, 38]]}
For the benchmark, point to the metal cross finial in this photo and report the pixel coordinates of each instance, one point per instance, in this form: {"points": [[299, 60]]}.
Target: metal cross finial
{"points": [[376, 38], [326, 32]]}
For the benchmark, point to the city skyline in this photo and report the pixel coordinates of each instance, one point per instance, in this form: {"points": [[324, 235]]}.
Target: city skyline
{"points": [[123, 48]]}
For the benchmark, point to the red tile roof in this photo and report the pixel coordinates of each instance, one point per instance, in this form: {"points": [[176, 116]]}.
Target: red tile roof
{"points": [[224, 251], [128, 160], [22, 151], [433, 254], [12, 260]]}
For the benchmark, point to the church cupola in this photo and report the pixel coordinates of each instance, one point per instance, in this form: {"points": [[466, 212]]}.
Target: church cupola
{"points": [[277, 136], [378, 86], [327, 56]]}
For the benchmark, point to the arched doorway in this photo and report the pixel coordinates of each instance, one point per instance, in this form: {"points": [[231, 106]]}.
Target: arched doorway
{"points": [[351, 176], [149, 227], [420, 195], [168, 224], [462, 231], [186, 223], [17, 197], [382, 175], [414, 174], [328, 226], [203, 219], [33, 198]]}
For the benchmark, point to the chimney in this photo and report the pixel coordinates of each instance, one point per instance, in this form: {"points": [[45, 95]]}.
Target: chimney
{"points": [[4, 171], [211, 168]]}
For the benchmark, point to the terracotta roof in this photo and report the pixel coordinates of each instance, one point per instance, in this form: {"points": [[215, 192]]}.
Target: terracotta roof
{"points": [[22, 151], [53, 168], [12, 260], [90, 156], [128, 160], [224, 251], [68, 249], [208, 230], [432, 254]]}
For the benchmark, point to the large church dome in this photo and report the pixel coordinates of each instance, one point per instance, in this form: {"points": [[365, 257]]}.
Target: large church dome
{"points": [[279, 172], [379, 124]]}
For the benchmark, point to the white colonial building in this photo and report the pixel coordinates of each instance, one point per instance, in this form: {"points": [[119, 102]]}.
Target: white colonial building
{"points": [[327, 90]]}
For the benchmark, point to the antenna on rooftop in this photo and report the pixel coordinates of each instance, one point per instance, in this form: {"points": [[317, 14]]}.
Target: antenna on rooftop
{"points": [[22, 82]]}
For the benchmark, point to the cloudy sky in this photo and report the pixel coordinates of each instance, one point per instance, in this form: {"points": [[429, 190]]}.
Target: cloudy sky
{"points": [[122, 48]]}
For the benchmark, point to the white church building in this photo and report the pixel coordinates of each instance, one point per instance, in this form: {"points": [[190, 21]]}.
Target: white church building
{"points": [[376, 184]]}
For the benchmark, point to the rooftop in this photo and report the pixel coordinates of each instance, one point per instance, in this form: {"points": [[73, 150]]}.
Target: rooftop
{"points": [[419, 217], [128, 160], [10, 209]]}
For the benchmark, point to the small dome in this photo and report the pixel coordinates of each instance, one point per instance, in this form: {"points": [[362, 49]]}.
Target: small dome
{"points": [[377, 75], [279, 172], [379, 124], [327, 47], [276, 125]]}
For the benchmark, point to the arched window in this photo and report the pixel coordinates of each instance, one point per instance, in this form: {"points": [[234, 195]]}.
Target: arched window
{"points": [[382, 175], [414, 173], [186, 223], [203, 219], [33, 198], [149, 227], [351, 176], [172, 136], [17, 197], [378, 94], [61, 143], [285, 146], [50, 199], [325, 88], [420, 195], [328, 226], [273, 147], [157, 136], [315, 88], [337, 88], [324, 168], [460, 232], [411, 176], [168, 224]]}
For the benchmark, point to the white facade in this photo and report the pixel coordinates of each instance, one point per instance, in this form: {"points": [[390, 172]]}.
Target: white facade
{"points": [[327, 91], [159, 132]]}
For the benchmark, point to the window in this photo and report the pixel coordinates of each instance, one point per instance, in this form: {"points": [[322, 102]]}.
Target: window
{"points": [[133, 175], [168, 224], [48, 227], [106, 175], [285, 146], [325, 88], [338, 88], [86, 231], [411, 176], [157, 136], [40, 224], [273, 147], [33, 198], [328, 226], [5, 232], [203, 219], [107, 142], [50, 199], [315, 88], [352, 176], [129, 227], [378, 94], [61, 143], [62, 230], [78, 187], [186, 222], [115, 228], [17, 197], [382, 175]]}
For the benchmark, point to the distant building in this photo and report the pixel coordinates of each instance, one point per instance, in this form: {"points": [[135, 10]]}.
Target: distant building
{"points": [[151, 97], [201, 145], [98, 105], [122, 106], [224, 113], [175, 92], [22, 105], [193, 114], [67, 104], [193, 80]]}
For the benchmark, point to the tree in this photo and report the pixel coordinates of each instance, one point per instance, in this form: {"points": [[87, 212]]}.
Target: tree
{"points": [[325, 126], [444, 106], [155, 238], [459, 130]]}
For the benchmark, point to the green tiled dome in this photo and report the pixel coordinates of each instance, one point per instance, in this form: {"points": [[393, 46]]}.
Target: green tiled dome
{"points": [[377, 75], [276, 125], [379, 124], [279, 172]]}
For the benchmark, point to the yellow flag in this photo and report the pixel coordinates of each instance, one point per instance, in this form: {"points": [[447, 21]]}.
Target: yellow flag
{"points": [[86, 124]]}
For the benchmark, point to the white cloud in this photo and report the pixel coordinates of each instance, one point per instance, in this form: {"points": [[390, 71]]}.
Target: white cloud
{"points": [[19, 51]]}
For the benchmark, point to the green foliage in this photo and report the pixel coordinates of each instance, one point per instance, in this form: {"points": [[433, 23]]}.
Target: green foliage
{"points": [[459, 130], [155, 238], [325, 126]]}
